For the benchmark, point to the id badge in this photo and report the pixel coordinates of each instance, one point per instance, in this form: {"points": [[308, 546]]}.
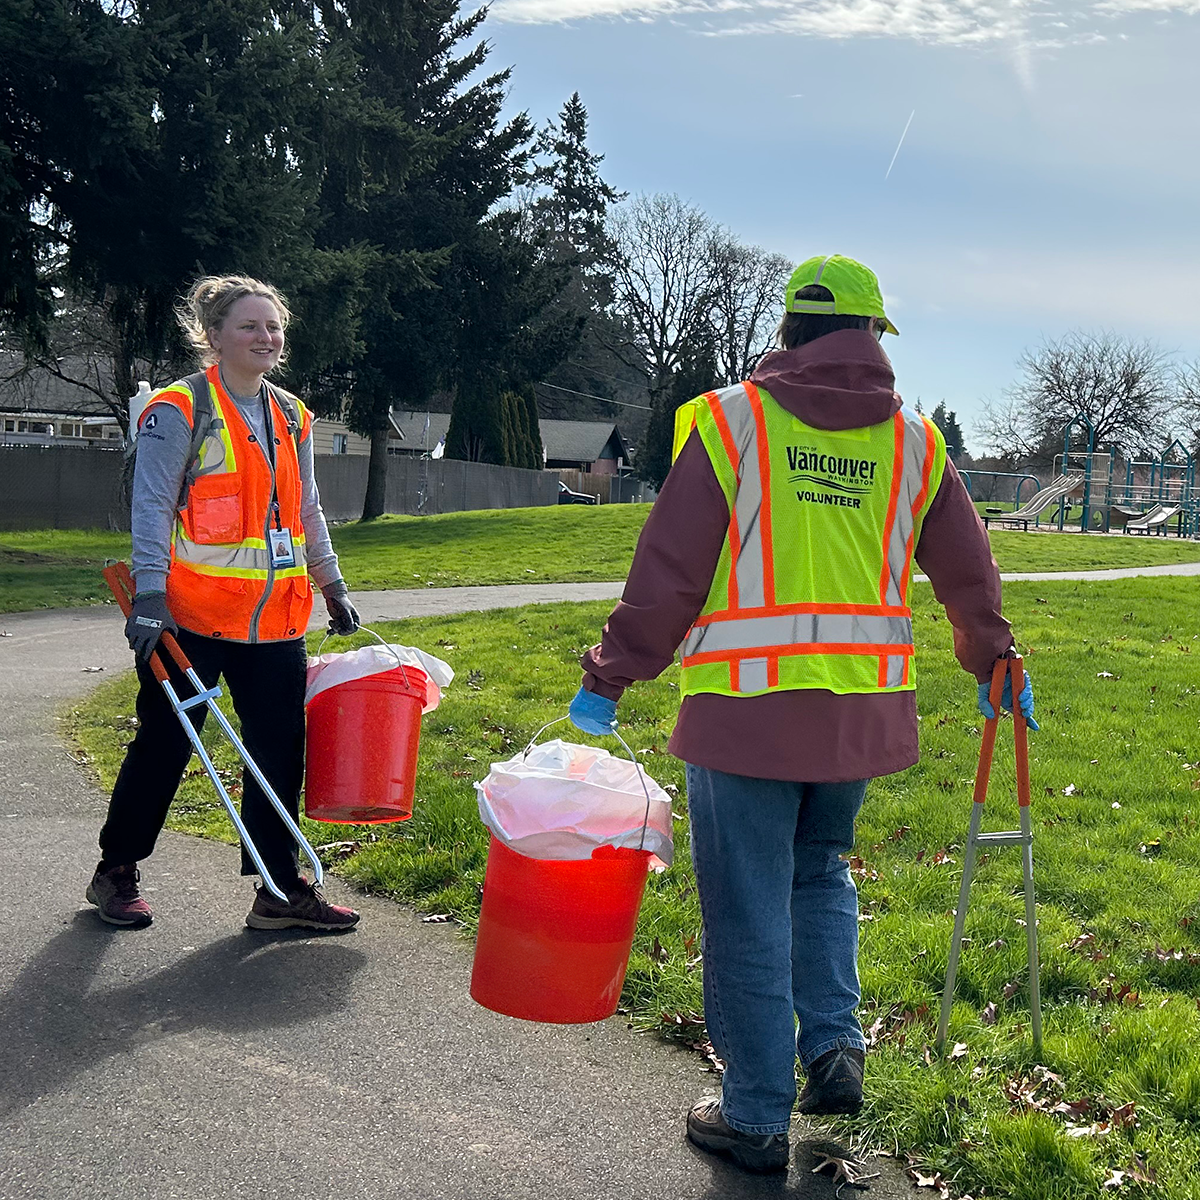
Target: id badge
{"points": [[283, 553]]}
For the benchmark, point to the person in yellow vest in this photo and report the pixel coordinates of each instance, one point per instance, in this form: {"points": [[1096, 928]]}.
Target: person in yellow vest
{"points": [[227, 529], [780, 555]]}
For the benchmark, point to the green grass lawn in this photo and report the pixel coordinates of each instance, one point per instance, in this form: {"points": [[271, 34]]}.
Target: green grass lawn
{"points": [[1115, 773], [59, 568]]}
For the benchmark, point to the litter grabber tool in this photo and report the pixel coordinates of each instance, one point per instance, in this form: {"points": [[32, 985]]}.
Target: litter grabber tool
{"points": [[1023, 837], [120, 580]]}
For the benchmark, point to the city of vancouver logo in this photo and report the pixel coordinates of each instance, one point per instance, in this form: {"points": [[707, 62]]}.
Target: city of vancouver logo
{"points": [[842, 480]]}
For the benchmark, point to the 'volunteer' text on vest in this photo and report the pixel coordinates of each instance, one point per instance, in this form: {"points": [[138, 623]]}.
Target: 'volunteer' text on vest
{"points": [[223, 581], [811, 589]]}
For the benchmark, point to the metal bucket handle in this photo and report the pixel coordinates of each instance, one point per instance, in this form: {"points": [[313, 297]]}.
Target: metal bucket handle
{"points": [[637, 766], [364, 629]]}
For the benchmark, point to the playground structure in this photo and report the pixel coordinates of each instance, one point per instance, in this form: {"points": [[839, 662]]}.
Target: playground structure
{"points": [[1155, 496]]}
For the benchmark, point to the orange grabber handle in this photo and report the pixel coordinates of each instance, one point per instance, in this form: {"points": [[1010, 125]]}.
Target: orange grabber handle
{"points": [[120, 581], [1015, 668]]}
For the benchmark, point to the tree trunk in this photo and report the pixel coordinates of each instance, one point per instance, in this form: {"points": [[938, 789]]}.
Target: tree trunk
{"points": [[375, 501]]}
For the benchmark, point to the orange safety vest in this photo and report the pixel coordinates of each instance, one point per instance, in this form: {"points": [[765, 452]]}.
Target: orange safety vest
{"points": [[222, 582]]}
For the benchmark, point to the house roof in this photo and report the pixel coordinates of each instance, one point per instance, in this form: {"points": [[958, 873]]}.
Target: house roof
{"points": [[42, 394], [581, 441], [412, 427], [564, 441]]}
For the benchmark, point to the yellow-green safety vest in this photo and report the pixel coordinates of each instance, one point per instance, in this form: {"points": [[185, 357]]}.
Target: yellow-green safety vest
{"points": [[811, 589]]}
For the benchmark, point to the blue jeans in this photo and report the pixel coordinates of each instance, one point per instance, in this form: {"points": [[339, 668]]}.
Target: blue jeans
{"points": [[780, 932]]}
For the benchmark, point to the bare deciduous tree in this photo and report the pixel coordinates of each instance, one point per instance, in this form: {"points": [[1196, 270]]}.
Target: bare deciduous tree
{"points": [[1187, 393], [663, 283], [86, 349], [1122, 386], [748, 301]]}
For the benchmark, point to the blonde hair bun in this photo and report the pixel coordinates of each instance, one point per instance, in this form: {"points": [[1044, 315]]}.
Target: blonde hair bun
{"points": [[208, 302]]}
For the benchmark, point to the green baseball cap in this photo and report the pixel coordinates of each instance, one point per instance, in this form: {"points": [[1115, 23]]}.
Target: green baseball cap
{"points": [[855, 289]]}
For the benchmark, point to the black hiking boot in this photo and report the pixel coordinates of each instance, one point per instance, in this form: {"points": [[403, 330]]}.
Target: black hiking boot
{"points": [[755, 1152], [834, 1083]]}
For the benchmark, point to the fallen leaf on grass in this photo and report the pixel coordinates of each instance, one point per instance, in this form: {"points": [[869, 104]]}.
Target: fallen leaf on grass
{"points": [[1073, 1108], [861, 868], [921, 1180], [337, 848], [959, 1051], [683, 1018], [845, 1171], [1140, 1171], [1104, 675], [989, 1014], [1069, 790], [1114, 1180], [715, 1064]]}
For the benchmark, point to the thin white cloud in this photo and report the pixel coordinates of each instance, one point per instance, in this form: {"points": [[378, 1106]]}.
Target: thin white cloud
{"points": [[1024, 25]]}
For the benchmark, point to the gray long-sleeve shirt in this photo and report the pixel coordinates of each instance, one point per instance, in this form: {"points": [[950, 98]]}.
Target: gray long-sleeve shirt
{"points": [[162, 453]]}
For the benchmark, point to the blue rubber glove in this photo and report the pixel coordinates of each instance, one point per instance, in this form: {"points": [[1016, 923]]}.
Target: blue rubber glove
{"points": [[592, 713], [1024, 699]]}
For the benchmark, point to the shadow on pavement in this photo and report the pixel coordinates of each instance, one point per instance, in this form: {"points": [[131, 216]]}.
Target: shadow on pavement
{"points": [[54, 1026]]}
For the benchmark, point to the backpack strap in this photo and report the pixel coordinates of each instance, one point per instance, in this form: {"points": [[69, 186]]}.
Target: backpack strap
{"points": [[287, 403], [202, 420]]}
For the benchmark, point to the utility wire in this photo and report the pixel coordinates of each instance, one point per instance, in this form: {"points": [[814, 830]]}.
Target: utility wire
{"points": [[591, 396]]}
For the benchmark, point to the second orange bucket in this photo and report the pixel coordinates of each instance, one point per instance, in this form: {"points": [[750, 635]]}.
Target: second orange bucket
{"points": [[362, 740], [554, 937]]}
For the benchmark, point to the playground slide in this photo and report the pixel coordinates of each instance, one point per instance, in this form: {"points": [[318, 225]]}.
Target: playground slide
{"points": [[1055, 490], [1156, 518]]}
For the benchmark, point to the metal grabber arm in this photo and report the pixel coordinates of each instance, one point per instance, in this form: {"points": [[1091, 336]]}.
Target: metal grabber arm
{"points": [[1015, 668], [120, 580]]}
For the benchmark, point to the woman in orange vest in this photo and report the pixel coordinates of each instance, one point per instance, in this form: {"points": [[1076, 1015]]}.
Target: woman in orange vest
{"points": [[227, 530]]}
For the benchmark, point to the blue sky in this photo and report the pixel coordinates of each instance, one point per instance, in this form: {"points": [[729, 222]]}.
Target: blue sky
{"points": [[1049, 180]]}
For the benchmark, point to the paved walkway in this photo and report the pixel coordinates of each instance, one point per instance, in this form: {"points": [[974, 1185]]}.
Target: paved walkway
{"points": [[199, 1060]]}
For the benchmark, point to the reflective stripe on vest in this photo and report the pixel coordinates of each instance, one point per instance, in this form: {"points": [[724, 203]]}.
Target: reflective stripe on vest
{"points": [[752, 630]]}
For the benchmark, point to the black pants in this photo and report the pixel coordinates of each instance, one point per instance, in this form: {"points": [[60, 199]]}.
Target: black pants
{"points": [[266, 683]]}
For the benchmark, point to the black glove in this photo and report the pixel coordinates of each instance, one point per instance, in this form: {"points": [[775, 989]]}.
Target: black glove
{"points": [[148, 621], [343, 616]]}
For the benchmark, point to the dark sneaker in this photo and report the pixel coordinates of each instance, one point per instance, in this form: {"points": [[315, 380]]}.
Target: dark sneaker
{"points": [[834, 1083], [115, 893], [756, 1152], [306, 908]]}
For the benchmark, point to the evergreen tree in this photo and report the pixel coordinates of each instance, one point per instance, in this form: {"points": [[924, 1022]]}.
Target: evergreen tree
{"points": [[947, 422], [422, 160], [574, 208], [147, 144], [694, 376], [572, 212], [512, 332]]}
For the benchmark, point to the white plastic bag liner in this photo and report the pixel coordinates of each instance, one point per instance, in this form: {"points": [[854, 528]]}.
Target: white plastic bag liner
{"points": [[332, 669], [561, 801]]}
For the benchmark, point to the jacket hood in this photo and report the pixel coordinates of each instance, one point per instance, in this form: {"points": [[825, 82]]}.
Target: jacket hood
{"points": [[843, 380]]}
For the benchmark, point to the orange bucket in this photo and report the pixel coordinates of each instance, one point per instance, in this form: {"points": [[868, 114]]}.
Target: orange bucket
{"points": [[554, 937], [361, 759]]}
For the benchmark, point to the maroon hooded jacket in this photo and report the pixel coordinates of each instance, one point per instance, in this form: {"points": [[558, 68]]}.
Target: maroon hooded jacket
{"points": [[841, 381]]}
